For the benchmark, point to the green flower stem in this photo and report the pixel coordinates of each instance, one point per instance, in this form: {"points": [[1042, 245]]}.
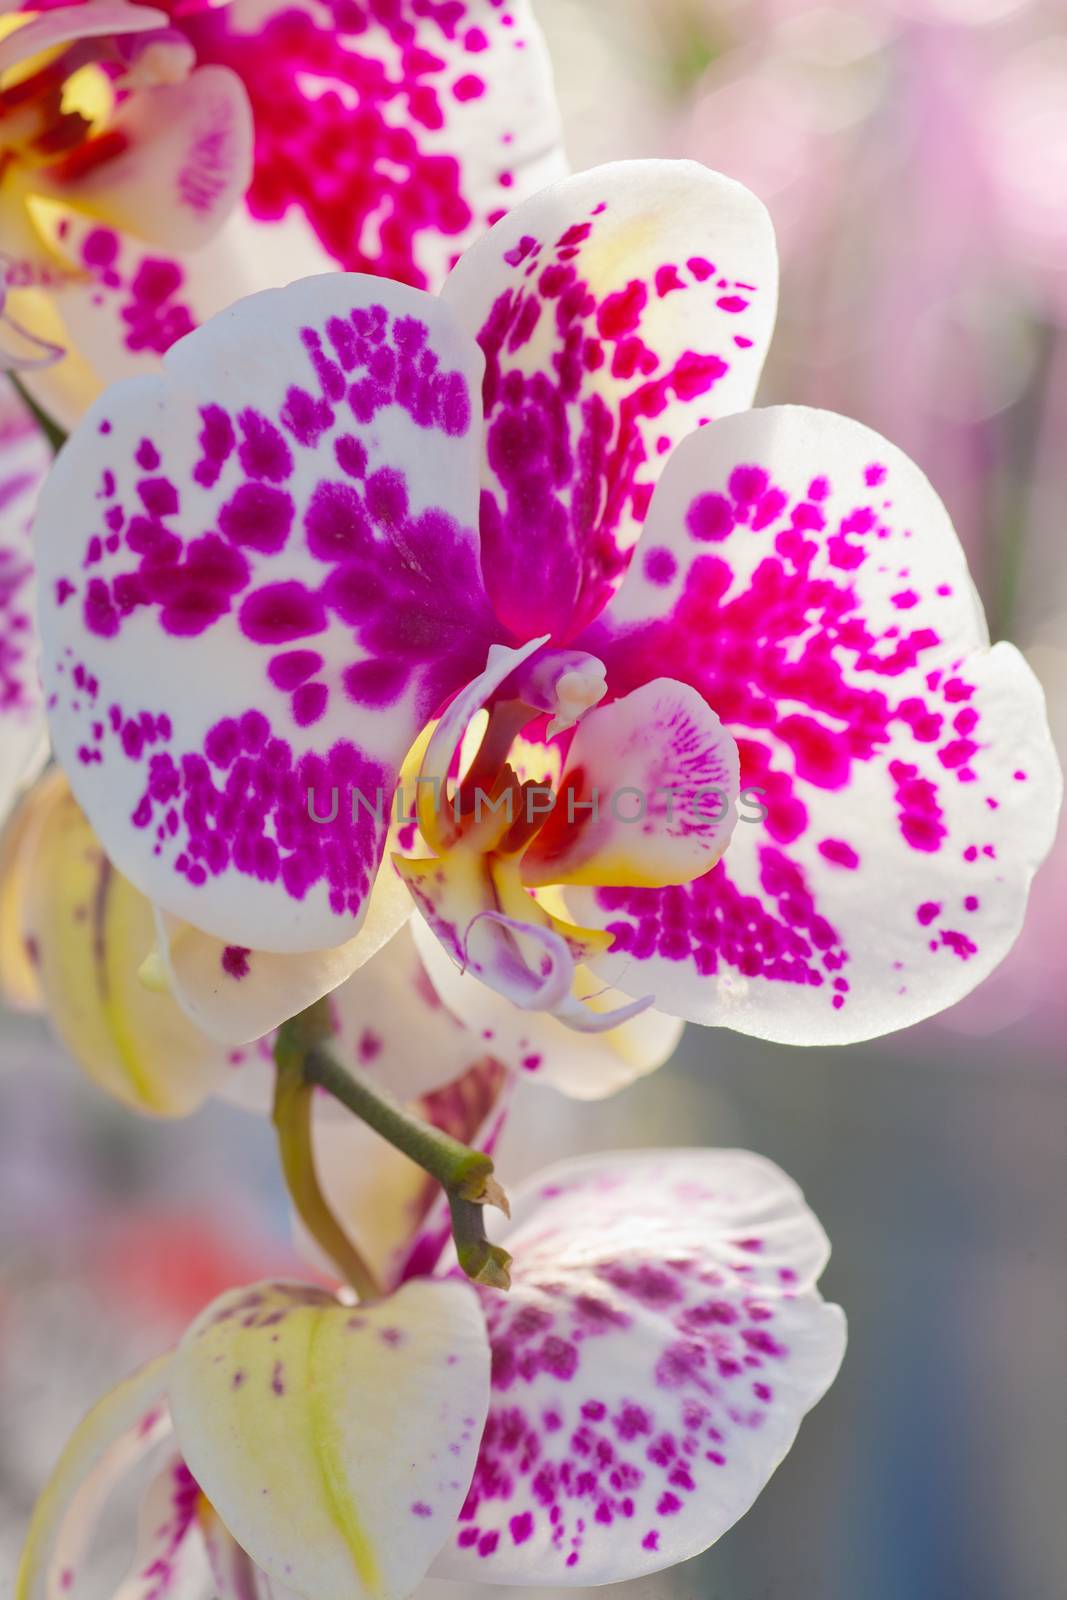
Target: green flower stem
{"points": [[305, 1057], [457, 1168], [293, 1100]]}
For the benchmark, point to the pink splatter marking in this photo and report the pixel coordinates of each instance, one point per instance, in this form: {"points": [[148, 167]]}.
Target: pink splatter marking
{"points": [[369, 149], [550, 434], [235, 961]]}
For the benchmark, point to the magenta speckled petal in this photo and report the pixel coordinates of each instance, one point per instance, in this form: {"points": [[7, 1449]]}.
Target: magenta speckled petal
{"points": [[388, 136], [171, 1561], [803, 575], [24, 461], [618, 310], [661, 1342], [258, 580]]}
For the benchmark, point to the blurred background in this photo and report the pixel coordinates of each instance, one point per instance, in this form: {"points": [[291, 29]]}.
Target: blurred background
{"points": [[914, 156]]}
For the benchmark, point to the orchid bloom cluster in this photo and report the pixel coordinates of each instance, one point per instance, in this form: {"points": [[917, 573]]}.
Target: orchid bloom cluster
{"points": [[453, 686]]}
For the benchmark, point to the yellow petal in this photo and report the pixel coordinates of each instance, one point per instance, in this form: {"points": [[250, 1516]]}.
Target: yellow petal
{"points": [[90, 932], [20, 985]]}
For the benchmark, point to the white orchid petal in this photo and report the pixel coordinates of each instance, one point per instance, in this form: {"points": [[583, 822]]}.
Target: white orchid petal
{"points": [[287, 591], [802, 574], [119, 1430], [75, 937], [237, 995], [659, 1347]]}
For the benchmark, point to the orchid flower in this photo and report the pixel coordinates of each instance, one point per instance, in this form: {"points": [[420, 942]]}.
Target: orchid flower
{"points": [[160, 162], [350, 521], [24, 460], [612, 1416], [76, 943]]}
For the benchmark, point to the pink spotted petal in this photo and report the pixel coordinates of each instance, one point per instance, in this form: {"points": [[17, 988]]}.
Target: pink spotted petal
{"points": [[132, 300], [617, 311], [541, 1047], [648, 794], [24, 461], [803, 576], [259, 579], [386, 146], [185, 154], [661, 1343], [388, 136]]}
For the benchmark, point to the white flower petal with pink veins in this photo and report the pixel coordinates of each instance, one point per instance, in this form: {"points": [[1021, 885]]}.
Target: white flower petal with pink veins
{"points": [[648, 794], [24, 462], [802, 574], [660, 1345], [183, 1551], [184, 160], [258, 580], [618, 311]]}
